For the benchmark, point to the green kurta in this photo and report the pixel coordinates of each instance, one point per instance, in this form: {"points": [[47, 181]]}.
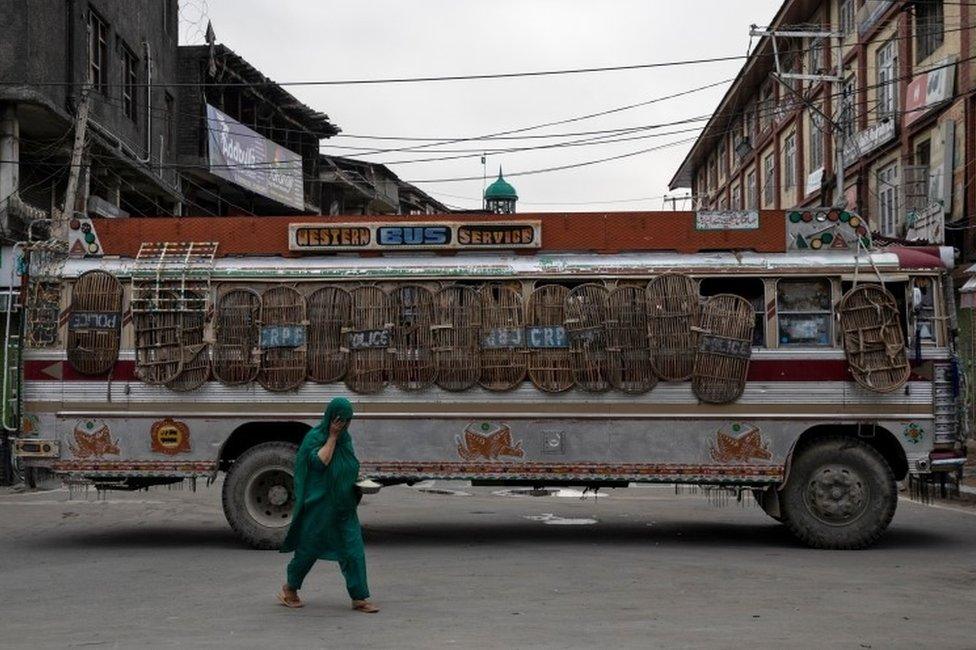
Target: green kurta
{"points": [[324, 523]]}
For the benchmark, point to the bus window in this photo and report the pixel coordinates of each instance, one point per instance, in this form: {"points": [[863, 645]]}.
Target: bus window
{"points": [[749, 288], [804, 312], [925, 314]]}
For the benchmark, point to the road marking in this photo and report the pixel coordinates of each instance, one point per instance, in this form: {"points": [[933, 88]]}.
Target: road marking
{"points": [[552, 520]]}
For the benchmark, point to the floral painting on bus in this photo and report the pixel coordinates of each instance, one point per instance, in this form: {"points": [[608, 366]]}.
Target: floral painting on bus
{"points": [[93, 438], [488, 440], [744, 443]]}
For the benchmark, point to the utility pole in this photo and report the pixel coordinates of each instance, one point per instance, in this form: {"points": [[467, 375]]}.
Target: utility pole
{"points": [[60, 226], [837, 83]]}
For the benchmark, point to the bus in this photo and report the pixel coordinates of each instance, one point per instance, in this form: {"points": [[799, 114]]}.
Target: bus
{"points": [[778, 354]]}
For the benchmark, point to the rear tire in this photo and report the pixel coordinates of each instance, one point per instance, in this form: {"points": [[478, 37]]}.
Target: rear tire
{"points": [[258, 494], [840, 494]]}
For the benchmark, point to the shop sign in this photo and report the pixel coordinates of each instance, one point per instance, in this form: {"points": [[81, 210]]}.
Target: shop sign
{"points": [[866, 141], [338, 237], [814, 181], [929, 89], [727, 220], [245, 158]]}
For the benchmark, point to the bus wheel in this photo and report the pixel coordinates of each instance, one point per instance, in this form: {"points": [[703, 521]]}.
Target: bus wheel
{"points": [[840, 494], [258, 494]]}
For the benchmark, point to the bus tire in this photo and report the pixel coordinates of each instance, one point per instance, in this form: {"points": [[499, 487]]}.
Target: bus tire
{"points": [[840, 494], [258, 495]]}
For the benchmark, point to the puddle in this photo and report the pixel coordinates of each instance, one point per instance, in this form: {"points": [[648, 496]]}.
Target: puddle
{"points": [[562, 493], [552, 520]]}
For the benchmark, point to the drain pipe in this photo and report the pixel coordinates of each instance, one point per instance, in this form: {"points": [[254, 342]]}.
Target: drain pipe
{"points": [[149, 89]]}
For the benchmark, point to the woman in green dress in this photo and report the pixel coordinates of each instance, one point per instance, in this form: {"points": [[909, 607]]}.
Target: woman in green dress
{"points": [[324, 524]]}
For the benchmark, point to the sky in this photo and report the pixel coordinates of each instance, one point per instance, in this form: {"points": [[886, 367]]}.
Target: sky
{"points": [[305, 40]]}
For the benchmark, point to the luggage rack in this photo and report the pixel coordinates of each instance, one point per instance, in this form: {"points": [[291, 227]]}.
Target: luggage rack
{"points": [[170, 289]]}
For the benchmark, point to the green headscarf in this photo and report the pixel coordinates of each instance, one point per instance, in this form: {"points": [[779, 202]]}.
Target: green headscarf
{"points": [[323, 494]]}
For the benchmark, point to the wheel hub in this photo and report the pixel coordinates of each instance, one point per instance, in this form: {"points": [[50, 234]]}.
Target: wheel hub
{"points": [[836, 495], [269, 496]]}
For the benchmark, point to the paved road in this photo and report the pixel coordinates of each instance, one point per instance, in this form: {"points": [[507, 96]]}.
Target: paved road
{"points": [[638, 568]]}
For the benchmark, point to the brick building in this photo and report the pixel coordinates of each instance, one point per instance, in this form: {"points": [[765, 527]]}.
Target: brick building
{"points": [[904, 103], [49, 51]]}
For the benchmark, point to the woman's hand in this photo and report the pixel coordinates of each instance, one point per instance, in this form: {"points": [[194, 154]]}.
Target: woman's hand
{"points": [[336, 427]]}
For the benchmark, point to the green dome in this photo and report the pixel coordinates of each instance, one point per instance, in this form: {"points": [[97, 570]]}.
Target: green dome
{"points": [[500, 189]]}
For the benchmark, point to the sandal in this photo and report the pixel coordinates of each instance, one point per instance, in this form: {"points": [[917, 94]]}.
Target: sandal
{"points": [[284, 600], [365, 607]]}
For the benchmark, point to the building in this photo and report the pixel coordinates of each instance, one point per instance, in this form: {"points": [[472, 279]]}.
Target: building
{"points": [[500, 196], [901, 109], [126, 54], [245, 145], [351, 186]]}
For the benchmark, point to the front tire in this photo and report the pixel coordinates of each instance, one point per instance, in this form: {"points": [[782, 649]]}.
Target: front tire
{"points": [[840, 494], [258, 494]]}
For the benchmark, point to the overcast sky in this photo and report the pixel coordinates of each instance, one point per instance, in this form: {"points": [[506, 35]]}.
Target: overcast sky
{"points": [[300, 40]]}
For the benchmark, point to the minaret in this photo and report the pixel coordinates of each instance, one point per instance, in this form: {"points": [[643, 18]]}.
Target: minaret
{"points": [[500, 197]]}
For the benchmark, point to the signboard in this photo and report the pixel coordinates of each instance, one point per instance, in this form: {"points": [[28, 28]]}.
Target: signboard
{"points": [[814, 181], [727, 220], [929, 89], [246, 158], [503, 338], [726, 347], [547, 337], [339, 237], [282, 336], [94, 320], [927, 225], [866, 141], [369, 339]]}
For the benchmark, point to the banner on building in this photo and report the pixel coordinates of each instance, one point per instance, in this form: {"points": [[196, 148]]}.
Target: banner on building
{"points": [[246, 158], [930, 89]]}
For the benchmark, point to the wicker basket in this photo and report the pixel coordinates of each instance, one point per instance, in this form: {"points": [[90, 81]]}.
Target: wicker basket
{"points": [[412, 364], [283, 363], [457, 318], [586, 326], [724, 348], [550, 361], [503, 363], [236, 330], [196, 357], [369, 329], [673, 313], [628, 349], [874, 342], [94, 323], [329, 313]]}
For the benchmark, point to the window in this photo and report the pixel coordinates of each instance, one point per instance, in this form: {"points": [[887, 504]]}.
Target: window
{"points": [[888, 199], [751, 289], [816, 141], [846, 17], [887, 80], [789, 162], [751, 191], [848, 106], [128, 65], [804, 314], [750, 125], [736, 197], [815, 56], [925, 318], [97, 52], [170, 118], [723, 161], [929, 28], [769, 180]]}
